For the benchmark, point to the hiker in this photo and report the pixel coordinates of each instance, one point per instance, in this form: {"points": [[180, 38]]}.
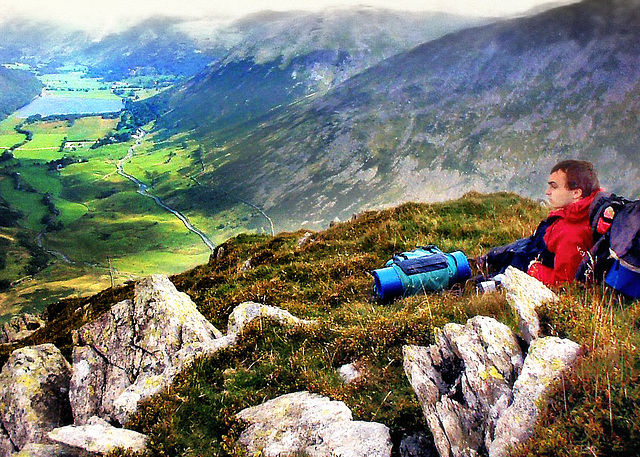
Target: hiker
{"points": [[554, 252]]}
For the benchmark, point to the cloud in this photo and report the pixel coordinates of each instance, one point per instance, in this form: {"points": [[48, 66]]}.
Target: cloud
{"points": [[100, 16]]}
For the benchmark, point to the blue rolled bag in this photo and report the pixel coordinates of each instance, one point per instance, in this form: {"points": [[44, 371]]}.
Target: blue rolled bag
{"points": [[424, 269]]}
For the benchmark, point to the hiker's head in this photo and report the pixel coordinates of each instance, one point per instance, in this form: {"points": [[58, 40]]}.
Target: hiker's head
{"points": [[570, 181]]}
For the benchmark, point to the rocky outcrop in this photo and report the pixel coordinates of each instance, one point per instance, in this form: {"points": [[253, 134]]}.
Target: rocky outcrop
{"points": [[136, 349], [98, 437], [480, 392], [247, 312], [20, 327], [479, 388], [463, 380], [130, 353], [524, 294], [302, 423], [34, 385], [546, 360]]}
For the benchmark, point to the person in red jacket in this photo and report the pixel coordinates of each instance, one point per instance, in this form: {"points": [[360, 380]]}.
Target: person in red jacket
{"points": [[572, 187]]}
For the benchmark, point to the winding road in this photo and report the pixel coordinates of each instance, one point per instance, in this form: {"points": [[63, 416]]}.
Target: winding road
{"points": [[143, 190]]}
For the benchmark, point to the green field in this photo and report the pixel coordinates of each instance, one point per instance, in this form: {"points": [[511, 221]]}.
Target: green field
{"points": [[8, 140], [7, 127], [76, 84], [73, 82], [106, 230]]}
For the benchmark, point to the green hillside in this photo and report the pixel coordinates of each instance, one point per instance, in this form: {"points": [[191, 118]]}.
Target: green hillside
{"points": [[17, 88], [489, 108], [327, 277]]}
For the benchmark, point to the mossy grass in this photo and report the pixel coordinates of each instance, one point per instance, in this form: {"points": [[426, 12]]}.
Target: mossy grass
{"points": [[595, 408]]}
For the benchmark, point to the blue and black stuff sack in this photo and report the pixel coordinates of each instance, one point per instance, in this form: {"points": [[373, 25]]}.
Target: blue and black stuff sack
{"points": [[424, 269]]}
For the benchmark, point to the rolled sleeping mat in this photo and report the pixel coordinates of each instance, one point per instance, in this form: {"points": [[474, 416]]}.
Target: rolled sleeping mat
{"points": [[424, 269]]}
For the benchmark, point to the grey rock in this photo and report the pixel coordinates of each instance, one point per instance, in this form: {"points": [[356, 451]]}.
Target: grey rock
{"points": [[417, 445], [46, 450], [460, 380], [302, 422], [246, 312], [20, 327], [477, 393], [6, 446], [525, 294], [305, 239], [136, 349], [246, 266], [34, 386], [99, 437], [353, 439], [548, 358], [350, 373]]}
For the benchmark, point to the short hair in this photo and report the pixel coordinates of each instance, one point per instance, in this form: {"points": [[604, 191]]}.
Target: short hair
{"points": [[580, 175]]}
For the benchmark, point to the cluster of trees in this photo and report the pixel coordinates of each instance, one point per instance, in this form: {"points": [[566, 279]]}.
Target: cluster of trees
{"points": [[56, 164], [49, 220], [69, 118], [119, 137], [8, 216], [6, 156], [39, 257], [28, 134], [132, 118]]}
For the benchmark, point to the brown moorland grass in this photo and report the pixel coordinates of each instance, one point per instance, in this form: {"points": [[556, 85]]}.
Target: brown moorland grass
{"points": [[327, 276]]}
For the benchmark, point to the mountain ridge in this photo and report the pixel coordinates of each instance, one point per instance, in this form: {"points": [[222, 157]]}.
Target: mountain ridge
{"points": [[487, 108], [281, 58]]}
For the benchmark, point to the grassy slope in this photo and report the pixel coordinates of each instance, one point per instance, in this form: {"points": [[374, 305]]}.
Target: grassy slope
{"points": [[17, 88], [328, 279]]}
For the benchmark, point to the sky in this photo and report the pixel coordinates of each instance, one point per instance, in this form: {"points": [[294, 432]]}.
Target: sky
{"points": [[106, 15]]}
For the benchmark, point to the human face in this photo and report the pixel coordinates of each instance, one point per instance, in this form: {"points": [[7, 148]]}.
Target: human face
{"points": [[558, 193]]}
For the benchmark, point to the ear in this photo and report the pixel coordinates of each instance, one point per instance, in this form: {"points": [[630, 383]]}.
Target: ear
{"points": [[577, 194]]}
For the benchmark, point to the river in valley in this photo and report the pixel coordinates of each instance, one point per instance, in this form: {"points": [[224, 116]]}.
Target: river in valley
{"points": [[143, 190]]}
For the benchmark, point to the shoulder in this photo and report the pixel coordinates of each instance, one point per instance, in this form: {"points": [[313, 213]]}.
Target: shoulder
{"points": [[571, 231]]}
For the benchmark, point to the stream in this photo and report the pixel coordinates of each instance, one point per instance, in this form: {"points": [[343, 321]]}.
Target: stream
{"points": [[143, 190]]}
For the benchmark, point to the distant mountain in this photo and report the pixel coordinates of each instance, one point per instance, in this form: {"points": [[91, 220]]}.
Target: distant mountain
{"points": [[184, 47], [279, 58], [156, 46], [487, 108], [39, 44], [17, 89]]}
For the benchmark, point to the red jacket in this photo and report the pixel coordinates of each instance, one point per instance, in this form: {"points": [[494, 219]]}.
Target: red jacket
{"points": [[570, 237]]}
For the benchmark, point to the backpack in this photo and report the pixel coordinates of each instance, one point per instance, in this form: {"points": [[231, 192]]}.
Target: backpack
{"points": [[615, 256]]}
